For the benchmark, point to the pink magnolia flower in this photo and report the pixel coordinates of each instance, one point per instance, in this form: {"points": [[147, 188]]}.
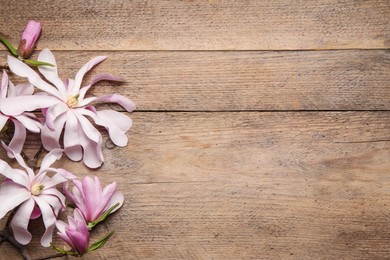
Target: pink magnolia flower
{"points": [[76, 233], [32, 195], [92, 200], [29, 39], [68, 106], [22, 121]]}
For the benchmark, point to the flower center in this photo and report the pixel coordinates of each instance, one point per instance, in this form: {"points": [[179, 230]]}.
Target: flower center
{"points": [[72, 101], [37, 189]]}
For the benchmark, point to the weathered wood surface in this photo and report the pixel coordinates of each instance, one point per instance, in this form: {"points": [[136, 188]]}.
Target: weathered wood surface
{"points": [[224, 159], [203, 25], [249, 185], [233, 81]]}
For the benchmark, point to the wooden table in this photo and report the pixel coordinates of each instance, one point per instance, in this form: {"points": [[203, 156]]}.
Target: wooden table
{"points": [[262, 129]]}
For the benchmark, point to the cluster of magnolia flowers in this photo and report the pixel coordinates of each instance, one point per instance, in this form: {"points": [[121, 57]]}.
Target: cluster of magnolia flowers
{"points": [[60, 108]]}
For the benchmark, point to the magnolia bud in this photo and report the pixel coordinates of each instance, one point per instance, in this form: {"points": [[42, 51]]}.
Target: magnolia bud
{"points": [[29, 39]]}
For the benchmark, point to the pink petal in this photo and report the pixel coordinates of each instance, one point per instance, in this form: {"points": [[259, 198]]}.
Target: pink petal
{"points": [[50, 139], [53, 113], [22, 70], [114, 98], [80, 239], [11, 89], [72, 140], [64, 173], [51, 73], [20, 160], [80, 74], [49, 219], [116, 198], [78, 216], [11, 196], [55, 180], [95, 79], [25, 89], [92, 156], [16, 175], [63, 234], [50, 158], [89, 130], [26, 103], [118, 119], [61, 225], [3, 120], [55, 193], [108, 192], [4, 85], [31, 124], [109, 119], [92, 196], [18, 139], [76, 195], [20, 222], [117, 124], [36, 213], [55, 202]]}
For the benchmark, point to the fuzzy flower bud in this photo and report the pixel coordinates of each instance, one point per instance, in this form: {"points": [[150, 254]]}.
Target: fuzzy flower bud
{"points": [[29, 38]]}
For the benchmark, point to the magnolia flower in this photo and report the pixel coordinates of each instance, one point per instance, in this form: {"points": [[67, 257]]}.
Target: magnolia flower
{"points": [[34, 195], [92, 200], [75, 234], [23, 120], [29, 38], [68, 106]]}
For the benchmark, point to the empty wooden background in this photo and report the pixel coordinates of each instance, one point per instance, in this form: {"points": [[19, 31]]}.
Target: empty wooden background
{"points": [[262, 130]]}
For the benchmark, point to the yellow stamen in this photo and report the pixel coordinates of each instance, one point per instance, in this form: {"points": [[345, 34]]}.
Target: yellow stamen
{"points": [[37, 189], [73, 101]]}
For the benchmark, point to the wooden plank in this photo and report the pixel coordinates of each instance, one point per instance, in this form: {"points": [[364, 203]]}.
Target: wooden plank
{"points": [[248, 185], [203, 25], [217, 81]]}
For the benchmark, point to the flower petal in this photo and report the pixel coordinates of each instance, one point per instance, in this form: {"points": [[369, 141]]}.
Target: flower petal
{"points": [[53, 113], [92, 197], [20, 160], [92, 156], [25, 89], [50, 158], [22, 70], [50, 139], [11, 196], [26, 103], [51, 73], [72, 142], [29, 123], [49, 219], [95, 79], [57, 195], [114, 98], [4, 85], [20, 222], [116, 198], [90, 131], [80, 74], [18, 139], [117, 124], [3, 120]]}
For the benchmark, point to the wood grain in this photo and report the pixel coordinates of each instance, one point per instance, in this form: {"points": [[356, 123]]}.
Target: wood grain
{"points": [[248, 185], [235, 81], [203, 25]]}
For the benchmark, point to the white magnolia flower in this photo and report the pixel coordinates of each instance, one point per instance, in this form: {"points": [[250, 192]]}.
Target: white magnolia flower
{"points": [[68, 108]]}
